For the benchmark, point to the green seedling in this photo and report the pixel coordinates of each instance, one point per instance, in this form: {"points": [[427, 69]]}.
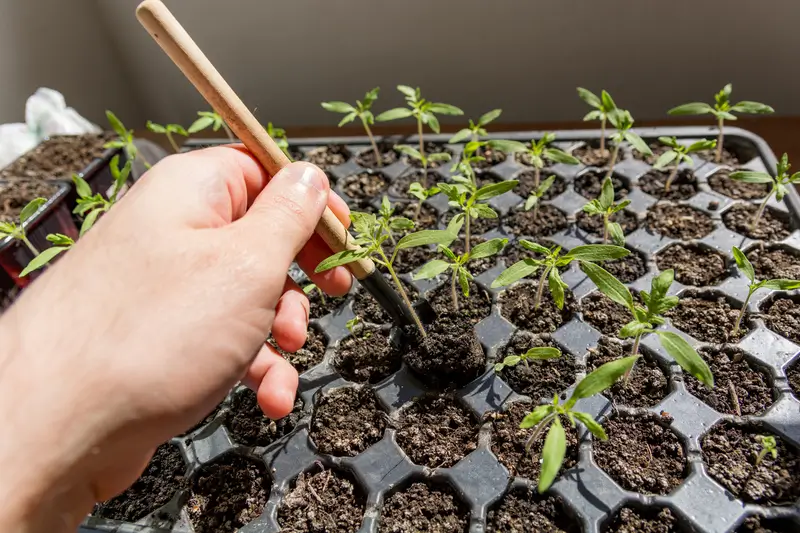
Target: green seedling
{"points": [[422, 157], [604, 205], [279, 136], [363, 111], [392, 223], [769, 445], [169, 130], [539, 152], [476, 130], [678, 154], [371, 234], [550, 415], [778, 183], [61, 243], [646, 319], [356, 326], [603, 106], [535, 197], [553, 260], [722, 110], [124, 140], [623, 122], [311, 287], [773, 284], [210, 119], [16, 230], [539, 353]]}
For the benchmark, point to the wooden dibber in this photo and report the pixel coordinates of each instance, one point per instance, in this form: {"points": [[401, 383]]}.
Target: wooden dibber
{"points": [[187, 56]]}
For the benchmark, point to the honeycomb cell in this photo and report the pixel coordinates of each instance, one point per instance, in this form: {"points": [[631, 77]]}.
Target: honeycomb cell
{"points": [[773, 225], [775, 261], [678, 221], [491, 157], [424, 507], [604, 314], [367, 357], [364, 186], [248, 426], [760, 524], [594, 224], [430, 148], [694, 264], [322, 304], [682, 187], [310, 354], [781, 314], [631, 519], [708, 316], [547, 221], [589, 153], [527, 181], [518, 306], [590, 183], [793, 375], [628, 269], [721, 182], [347, 421], [475, 307], [525, 511], [366, 157], [537, 379], [326, 157]]}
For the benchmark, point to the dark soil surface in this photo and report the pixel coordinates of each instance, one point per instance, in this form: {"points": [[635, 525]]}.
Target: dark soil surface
{"points": [[707, 317], [422, 508], [771, 226], [320, 502], [730, 451], [526, 184], [410, 259], [758, 524], [606, 315], [590, 184], [367, 159], [594, 223], [641, 454], [508, 443], [783, 317], [309, 355], [475, 308], [450, 353], [430, 148], [683, 187], [58, 157], [399, 185], [656, 147], [492, 158], [477, 226], [347, 421], [732, 371], [367, 357], [428, 217], [227, 494], [592, 156], [774, 263], [318, 309], [647, 386], [738, 190], [436, 431], [159, 482], [329, 156], [514, 252], [476, 266], [247, 424], [628, 269], [524, 511], [648, 520], [693, 264], [793, 374], [14, 196], [366, 307], [548, 221], [364, 186], [517, 305], [678, 221], [538, 379], [728, 158]]}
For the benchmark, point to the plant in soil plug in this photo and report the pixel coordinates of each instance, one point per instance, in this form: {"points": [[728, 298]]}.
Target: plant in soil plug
{"points": [[603, 106], [476, 130], [538, 353], [311, 287], [424, 159], [623, 122], [678, 154], [458, 264], [552, 261], [647, 318], [722, 110], [604, 205], [361, 110], [17, 230], [778, 183], [535, 198], [391, 223], [768, 446], [774, 284], [124, 139], [544, 416], [539, 152], [279, 136], [371, 234], [356, 326], [169, 130], [210, 119]]}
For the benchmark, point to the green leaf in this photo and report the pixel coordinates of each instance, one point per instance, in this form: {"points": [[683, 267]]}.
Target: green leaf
{"points": [[686, 356], [448, 253], [408, 91], [431, 269], [509, 360], [593, 115], [616, 233], [780, 284], [424, 237], [200, 124], [340, 258], [440, 156], [495, 189], [515, 272], [593, 426], [463, 280], [744, 264], [531, 201], [608, 102], [553, 452], [608, 284], [534, 247], [725, 115], [116, 124], [59, 239], [486, 118], [432, 122], [560, 156], [409, 151], [661, 284], [401, 224], [534, 417], [694, 108], [556, 286], [444, 109], [638, 143], [749, 176], [461, 135], [601, 379], [89, 221], [665, 159], [593, 208], [42, 259], [177, 128], [542, 353], [598, 252], [589, 97], [338, 107], [156, 128], [31, 208], [488, 248], [394, 114], [508, 147], [348, 118], [606, 198], [757, 108], [698, 146]]}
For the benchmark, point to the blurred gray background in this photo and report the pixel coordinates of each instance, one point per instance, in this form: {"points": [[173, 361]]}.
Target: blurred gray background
{"points": [[525, 56]]}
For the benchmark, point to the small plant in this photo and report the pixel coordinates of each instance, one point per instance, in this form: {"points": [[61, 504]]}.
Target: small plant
{"points": [[356, 326], [361, 110], [604, 205], [476, 130], [678, 154], [458, 265], [722, 110], [603, 106], [210, 119], [311, 287], [778, 183], [61, 243], [279, 136], [550, 415], [535, 197], [17, 230], [553, 260], [539, 353], [169, 130], [774, 284], [539, 152], [769, 445], [623, 122], [392, 223], [124, 140], [422, 157], [646, 319]]}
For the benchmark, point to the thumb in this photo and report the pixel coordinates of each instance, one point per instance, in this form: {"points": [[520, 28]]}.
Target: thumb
{"points": [[284, 215]]}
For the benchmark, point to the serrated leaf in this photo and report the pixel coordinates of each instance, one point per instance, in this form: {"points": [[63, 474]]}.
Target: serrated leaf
{"points": [[556, 286], [515, 272], [425, 237], [606, 198], [694, 108], [31, 208], [593, 426], [601, 378], [340, 258], [560, 156], [401, 224], [488, 248], [744, 264], [431, 269], [460, 135], [533, 418], [660, 284], [483, 211], [42, 259], [589, 97], [553, 452], [608, 284], [749, 176], [756, 108], [780, 284], [686, 356], [495, 189], [616, 233], [598, 252], [665, 159], [463, 280], [394, 114]]}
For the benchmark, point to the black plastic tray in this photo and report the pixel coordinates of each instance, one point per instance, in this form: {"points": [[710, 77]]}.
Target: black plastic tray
{"points": [[591, 496]]}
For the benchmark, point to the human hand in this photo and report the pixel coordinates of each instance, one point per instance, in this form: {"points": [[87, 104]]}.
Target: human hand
{"points": [[141, 329]]}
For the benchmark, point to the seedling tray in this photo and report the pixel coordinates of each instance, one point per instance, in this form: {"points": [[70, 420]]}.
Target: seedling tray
{"points": [[589, 497]]}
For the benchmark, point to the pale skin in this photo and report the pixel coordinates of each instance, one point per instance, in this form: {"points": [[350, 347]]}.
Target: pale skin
{"points": [[140, 330]]}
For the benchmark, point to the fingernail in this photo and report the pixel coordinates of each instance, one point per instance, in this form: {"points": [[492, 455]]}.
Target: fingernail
{"points": [[313, 177]]}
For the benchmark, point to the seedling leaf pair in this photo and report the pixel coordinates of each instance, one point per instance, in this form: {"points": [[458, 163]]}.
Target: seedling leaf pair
{"points": [[363, 111], [679, 153], [779, 183], [603, 106], [169, 130], [210, 119], [604, 206], [476, 130]]}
